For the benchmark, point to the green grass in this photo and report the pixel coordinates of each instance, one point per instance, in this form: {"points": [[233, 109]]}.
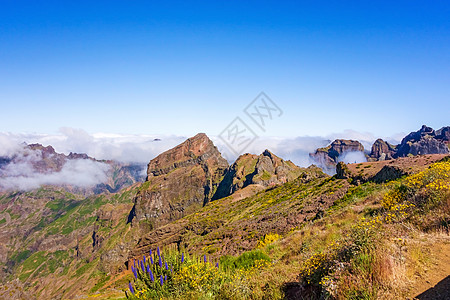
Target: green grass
{"points": [[101, 279], [85, 268], [31, 264], [61, 205], [353, 194], [244, 261], [21, 256]]}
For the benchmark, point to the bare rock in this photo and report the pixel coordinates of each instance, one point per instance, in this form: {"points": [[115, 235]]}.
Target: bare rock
{"points": [[328, 156], [179, 181], [424, 141], [265, 169], [382, 150]]}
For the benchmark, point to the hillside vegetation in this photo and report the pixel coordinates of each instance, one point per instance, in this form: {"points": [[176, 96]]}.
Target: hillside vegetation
{"points": [[374, 242], [312, 236]]}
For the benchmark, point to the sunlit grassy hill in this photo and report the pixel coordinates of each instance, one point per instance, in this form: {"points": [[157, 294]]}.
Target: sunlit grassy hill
{"points": [[312, 238]]}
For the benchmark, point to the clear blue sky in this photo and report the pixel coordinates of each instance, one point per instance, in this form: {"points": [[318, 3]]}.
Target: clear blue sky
{"points": [[186, 67]]}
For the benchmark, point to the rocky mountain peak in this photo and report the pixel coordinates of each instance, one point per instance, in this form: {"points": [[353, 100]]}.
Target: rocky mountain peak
{"points": [[179, 181], [328, 156], [382, 150], [265, 169], [443, 134], [46, 150], [425, 141], [194, 150], [268, 154]]}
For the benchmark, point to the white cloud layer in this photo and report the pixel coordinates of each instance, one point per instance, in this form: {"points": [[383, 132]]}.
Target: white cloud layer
{"points": [[81, 173], [352, 157], [141, 149]]}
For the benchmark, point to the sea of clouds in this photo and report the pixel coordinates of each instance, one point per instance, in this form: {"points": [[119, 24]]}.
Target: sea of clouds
{"points": [[130, 148]]}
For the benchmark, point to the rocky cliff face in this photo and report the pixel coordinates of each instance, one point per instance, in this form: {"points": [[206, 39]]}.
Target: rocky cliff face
{"points": [[265, 169], [382, 150], [179, 181], [328, 156], [425, 141], [234, 224]]}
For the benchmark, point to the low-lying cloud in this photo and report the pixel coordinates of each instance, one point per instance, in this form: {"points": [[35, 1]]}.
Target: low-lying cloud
{"points": [[20, 171], [352, 157], [140, 149], [82, 173]]}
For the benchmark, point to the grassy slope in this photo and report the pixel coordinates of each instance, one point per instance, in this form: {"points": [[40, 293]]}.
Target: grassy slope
{"points": [[309, 214], [58, 256], [365, 246]]}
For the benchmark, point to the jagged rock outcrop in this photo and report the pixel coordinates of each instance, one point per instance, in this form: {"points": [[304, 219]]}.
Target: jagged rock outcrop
{"points": [[342, 171], [425, 141], [44, 159], [388, 173], [265, 169], [222, 227], [328, 156], [382, 150], [179, 181], [443, 134]]}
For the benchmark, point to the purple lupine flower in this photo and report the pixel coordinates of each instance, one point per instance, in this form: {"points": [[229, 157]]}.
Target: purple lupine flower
{"points": [[134, 262], [150, 273], [160, 262], [157, 250], [144, 259], [167, 267], [151, 257], [152, 278], [131, 287], [217, 265], [171, 268], [161, 280], [204, 258], [134, 272], [182, 257], [165, 278], [142, 267]]}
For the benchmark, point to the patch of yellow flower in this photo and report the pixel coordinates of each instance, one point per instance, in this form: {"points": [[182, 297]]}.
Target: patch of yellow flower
{"points": [[313, 264], [268, 239], [392, 198], [141, 294], [437, 176], [198, 275]]}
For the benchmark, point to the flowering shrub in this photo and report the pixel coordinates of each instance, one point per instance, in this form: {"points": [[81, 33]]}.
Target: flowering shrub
{"points": [[421, 189], [329, 270], [268, 239], [175, 274], [153, 275], [198, 276], [316, 267]]}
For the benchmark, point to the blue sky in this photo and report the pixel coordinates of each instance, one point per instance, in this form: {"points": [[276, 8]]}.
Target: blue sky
{"points": [[185, 67]]}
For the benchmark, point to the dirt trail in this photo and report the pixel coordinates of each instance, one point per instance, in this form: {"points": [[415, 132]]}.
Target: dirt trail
{"points": [[435, 283]]}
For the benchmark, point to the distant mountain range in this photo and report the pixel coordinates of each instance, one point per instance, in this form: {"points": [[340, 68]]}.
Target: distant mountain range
{"points": [[35, 161], [424, 141]]}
